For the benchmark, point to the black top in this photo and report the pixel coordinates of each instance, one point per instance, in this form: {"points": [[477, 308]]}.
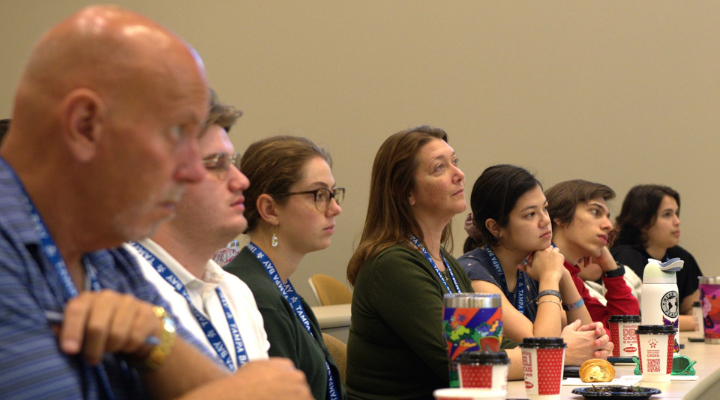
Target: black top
{"points": [[636, 258]]}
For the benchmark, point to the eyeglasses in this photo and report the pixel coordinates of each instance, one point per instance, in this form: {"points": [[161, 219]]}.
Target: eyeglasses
{"points": [[323, 196], [221, 162]]}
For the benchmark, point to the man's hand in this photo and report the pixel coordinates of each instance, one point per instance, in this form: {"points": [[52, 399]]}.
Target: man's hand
{"points": [[585, 342], [101, 322]]}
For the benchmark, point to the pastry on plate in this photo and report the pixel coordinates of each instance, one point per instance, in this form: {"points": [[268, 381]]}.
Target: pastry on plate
{"points": [[596, 370]]}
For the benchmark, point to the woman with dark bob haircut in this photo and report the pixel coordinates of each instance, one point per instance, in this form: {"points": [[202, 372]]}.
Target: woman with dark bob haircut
{"points": [[649, 227], [510, 252]]}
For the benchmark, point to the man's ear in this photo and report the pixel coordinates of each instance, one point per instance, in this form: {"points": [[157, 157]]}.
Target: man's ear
{"points": [[82, 122], [267, 208]]}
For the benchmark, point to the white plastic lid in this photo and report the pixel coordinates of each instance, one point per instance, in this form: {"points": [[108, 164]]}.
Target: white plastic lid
{"points": [[654, 273]]}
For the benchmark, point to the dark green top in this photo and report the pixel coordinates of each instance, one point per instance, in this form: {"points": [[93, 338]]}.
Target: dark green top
{"points": [[396, 348], [287, 335]]}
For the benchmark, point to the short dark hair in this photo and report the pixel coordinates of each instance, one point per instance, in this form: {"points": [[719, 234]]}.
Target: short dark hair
{"points": [[639, 212], [564, 197], [494, 196], [4, 127]]}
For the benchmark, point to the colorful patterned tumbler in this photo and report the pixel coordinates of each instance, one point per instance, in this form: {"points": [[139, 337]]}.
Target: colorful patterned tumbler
{"points": [[471, 322]]}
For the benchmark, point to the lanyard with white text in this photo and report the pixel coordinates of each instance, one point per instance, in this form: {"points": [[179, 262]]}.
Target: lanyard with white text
{"points": [[288, 291], [519, 290], [422, 248], [50, 250], [210, 332]]}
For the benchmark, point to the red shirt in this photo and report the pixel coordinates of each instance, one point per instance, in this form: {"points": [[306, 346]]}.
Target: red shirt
{"points": [[620, 300]]}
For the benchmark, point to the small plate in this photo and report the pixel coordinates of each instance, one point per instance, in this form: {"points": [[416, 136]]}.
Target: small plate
{"points": [[616, 392]]}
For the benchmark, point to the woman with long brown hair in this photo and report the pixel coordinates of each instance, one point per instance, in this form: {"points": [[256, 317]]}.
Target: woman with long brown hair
{"points": [[401, 269]]}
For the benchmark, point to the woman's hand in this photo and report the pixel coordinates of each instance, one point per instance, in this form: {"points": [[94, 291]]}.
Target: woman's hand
{"points": [[545, 264], [585, 342]]}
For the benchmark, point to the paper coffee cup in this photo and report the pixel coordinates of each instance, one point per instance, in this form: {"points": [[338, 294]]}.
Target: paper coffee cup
{"points": [[655, 345], [623, 336], [483, 369], [543, 360], [469, 394]]}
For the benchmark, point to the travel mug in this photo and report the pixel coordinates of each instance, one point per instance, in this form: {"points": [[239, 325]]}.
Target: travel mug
{"points": [[471, 322]]}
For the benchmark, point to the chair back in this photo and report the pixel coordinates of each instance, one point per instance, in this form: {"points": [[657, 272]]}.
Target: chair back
{"points": [[329, 291], [338, 351]]}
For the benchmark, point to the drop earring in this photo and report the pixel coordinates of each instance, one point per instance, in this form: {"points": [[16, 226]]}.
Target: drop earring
{"points": [[274, 240]]}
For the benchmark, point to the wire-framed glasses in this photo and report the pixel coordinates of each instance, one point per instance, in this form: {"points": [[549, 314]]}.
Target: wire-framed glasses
{"points": [[323, 196], [220, 163]]}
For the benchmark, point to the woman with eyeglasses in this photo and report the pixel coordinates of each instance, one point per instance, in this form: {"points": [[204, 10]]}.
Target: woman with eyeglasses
{"points": [[401, 269], [291, 207]]}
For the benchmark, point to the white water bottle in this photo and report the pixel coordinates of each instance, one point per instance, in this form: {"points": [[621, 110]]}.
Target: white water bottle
{"points": [[660, 301]]}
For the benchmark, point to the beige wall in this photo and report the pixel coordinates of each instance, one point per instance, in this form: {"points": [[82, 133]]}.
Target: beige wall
{"points": [[617, 92]]}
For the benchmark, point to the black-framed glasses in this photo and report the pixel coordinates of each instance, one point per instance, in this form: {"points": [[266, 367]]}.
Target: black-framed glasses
{"points": [[221, 162], [323, 196]]}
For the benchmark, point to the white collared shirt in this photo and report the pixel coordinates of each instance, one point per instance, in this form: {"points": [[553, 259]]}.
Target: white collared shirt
{"points": [[204, 298]]}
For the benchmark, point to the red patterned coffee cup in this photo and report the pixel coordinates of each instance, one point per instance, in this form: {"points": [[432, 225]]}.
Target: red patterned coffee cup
{"points": [[655, 345], [623, 336], [543, 360], [483, 369]]}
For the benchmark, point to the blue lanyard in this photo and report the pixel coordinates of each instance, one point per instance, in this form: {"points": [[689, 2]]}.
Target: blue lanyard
{"points": [[288, 292], [423, 250], [50, 250], [206, 325], [519, 290]]}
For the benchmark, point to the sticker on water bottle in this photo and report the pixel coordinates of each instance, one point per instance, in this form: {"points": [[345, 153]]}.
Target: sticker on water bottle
{"points": [[669, 304]]}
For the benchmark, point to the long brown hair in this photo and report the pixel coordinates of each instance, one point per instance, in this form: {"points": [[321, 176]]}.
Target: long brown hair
{"points": [[389, 218]]}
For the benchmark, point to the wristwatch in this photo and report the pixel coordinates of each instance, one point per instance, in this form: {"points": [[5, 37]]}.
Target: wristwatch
{"points": [[620, 271]]}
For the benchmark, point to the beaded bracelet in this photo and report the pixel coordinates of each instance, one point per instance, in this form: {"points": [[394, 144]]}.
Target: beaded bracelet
{"points": [[547, 293]]}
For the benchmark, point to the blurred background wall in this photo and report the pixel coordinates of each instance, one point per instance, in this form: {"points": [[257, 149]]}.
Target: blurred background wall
{"points": [[615, 92]]}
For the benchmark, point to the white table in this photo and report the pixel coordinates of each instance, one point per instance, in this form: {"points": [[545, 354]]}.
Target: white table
{"points": [[706, 355], [334, 320]]}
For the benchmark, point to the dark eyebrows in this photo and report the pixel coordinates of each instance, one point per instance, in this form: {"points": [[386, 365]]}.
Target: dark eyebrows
{"points": [[601, 207]]}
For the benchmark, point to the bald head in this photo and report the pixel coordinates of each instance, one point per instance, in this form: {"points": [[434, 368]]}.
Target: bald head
{"points": [[112, 104], [117, 54]]}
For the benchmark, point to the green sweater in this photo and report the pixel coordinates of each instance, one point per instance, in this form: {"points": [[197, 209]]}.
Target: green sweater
{"points": [[396, 348], [287, 336]]}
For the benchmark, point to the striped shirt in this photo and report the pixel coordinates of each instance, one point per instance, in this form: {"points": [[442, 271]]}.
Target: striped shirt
{"points": [[31, 363]]}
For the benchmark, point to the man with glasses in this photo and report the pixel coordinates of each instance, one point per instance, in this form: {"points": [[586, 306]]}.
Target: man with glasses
{"points": [[214, 305]]}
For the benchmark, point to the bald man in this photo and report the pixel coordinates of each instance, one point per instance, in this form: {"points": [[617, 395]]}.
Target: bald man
{"points": [[102, 144]]}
